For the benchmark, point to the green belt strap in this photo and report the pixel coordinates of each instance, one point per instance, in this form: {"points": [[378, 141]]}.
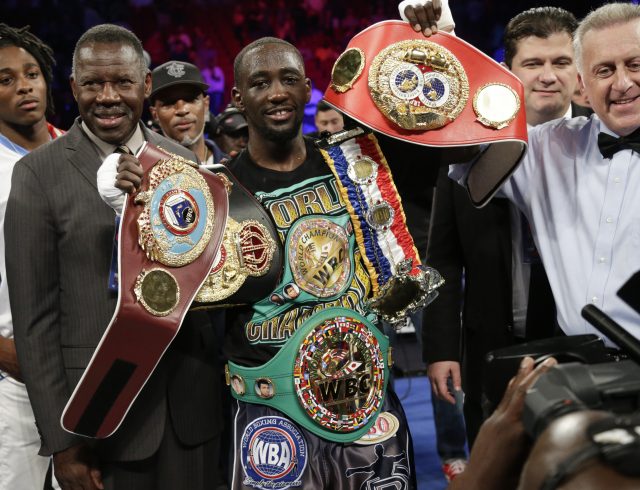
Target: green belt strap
{"points": [[280, 372]]}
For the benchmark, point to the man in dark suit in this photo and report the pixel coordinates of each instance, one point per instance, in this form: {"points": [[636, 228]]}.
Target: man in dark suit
{"points": [[59, 237], [506, 295]]}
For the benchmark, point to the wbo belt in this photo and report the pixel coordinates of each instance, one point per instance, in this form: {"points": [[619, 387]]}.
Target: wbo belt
{"points": [[168, 238], [330, 377], [436, 91]]}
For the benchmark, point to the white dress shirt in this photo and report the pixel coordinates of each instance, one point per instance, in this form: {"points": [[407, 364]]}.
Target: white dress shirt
{"points": [[8, 159], [584, 212]]}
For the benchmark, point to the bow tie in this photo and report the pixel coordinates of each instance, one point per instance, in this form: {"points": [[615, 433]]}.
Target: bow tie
{"points": [[609, 145]]}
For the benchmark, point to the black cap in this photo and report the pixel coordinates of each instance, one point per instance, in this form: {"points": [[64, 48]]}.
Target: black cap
{"points": [[175, 73], [230, 120]]}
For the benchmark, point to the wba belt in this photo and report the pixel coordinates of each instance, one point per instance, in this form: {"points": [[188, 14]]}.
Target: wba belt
{"points": [[168, 238], [330, 377], [436, 91]]}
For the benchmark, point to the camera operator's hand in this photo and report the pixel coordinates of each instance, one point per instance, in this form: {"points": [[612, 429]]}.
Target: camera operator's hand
{"points": [[439, 372], [502, 445]]}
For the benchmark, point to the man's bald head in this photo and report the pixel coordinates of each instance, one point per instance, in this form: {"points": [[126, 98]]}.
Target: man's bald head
{"points": [[564, 438], [239, 62]]}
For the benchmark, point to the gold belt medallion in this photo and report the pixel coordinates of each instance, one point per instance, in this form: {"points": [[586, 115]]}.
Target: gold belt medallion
{"points": [[418, 84], [247, 250], [318, 253], [339, 374], [177, 221], [158, 291]]}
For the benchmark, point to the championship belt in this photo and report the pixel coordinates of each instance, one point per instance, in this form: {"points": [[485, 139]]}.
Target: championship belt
{"points": [[168, 238], [330, 377], [249, 261], [436, 91], [400, 283]]}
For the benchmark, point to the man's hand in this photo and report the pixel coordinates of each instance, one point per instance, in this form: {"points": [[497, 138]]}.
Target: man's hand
{"points": [[502, 446], [76, 469], [129, 176], [438, 373], [8, 358], [424, 17]]}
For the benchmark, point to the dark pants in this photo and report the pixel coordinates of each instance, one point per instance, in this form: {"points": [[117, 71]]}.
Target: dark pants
{"points": [[174, 466]]}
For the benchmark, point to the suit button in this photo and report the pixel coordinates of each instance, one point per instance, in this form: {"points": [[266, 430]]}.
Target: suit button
{"points": [[509, 328]]}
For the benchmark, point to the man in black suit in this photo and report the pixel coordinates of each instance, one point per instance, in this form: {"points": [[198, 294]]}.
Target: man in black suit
{"points": [[506, 295], [59, 238]]}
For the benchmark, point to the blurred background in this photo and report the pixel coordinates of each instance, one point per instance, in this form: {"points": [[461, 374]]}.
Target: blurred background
{"points": [[209, 33]]}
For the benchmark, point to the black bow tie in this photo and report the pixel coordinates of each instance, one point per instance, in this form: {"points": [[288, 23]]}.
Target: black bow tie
{"points": [[609, 145]]}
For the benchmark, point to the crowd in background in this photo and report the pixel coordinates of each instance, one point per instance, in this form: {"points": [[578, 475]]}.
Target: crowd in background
{"points": [[210, 33]]}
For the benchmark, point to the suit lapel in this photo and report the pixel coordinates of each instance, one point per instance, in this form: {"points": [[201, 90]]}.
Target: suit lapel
{"points": [[82, 154]]}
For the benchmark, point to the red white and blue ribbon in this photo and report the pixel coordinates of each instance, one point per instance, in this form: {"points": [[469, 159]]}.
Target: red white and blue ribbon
{"points": [[384, 247]]}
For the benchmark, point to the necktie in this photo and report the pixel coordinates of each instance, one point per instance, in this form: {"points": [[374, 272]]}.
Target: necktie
{"points": [[123, 149], [609, 145]]}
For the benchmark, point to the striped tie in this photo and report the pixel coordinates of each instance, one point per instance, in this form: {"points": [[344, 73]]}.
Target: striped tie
{"points": [[123, 149]]}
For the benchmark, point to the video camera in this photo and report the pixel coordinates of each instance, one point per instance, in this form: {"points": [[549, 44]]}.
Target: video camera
{"points": [[588, 376], [610, 386]]}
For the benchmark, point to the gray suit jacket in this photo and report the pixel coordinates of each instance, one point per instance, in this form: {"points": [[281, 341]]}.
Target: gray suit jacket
{"points": [[59, 240]]}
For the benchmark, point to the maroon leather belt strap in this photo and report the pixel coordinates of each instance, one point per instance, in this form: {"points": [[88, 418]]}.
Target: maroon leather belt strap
{"points": [[168, 238]]}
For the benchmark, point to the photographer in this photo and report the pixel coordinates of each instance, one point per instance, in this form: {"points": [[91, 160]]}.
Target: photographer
{"points": [[502, 437]]}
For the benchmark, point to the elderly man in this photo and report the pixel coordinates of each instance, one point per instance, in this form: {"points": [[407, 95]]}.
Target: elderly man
{"points": [[179, 104], [486, 245], [59, 237], [576, 184]]}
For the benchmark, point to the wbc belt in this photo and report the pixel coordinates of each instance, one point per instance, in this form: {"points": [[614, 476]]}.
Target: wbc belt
{"points": [[168, 238], [330, 377], [436, 91]]}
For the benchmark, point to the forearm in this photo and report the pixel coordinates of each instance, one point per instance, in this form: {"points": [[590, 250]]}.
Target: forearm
{"points": [[9, 358]]}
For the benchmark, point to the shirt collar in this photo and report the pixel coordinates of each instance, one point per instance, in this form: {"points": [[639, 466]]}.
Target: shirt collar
{"points": [[133, 143]]}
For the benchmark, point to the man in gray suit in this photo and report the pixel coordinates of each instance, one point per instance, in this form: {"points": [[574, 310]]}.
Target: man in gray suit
{"points": [[60, 238]]}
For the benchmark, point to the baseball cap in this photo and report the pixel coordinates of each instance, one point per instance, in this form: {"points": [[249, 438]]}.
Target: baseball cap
{"points": [[231, 120], [175, 73]]}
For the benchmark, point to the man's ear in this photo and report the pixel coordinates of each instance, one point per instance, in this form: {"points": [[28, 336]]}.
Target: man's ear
{"points": [[581, 83], [147, 84], [206, 103], [307, 82], [74, 88], [154, 112], [237, 98]]}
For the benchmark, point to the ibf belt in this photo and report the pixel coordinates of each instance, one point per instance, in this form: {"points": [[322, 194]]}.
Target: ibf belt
{"points": [[400, 283], [249, 261], [168, 238], [436, 91], [330, 377]]}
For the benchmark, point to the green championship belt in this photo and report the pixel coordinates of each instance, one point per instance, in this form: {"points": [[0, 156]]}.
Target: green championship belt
{"points": [[330, 377]]}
